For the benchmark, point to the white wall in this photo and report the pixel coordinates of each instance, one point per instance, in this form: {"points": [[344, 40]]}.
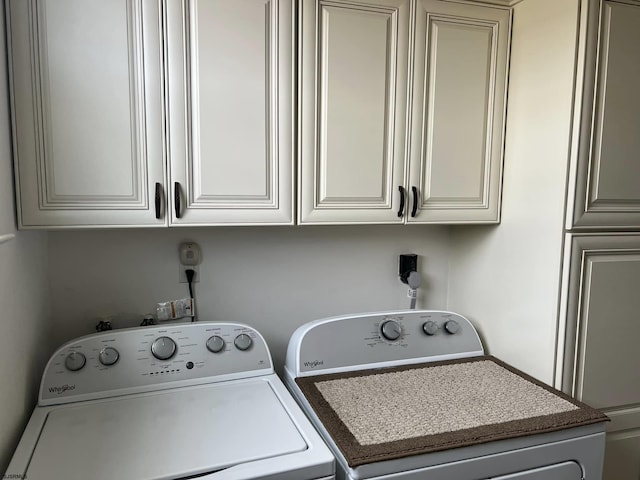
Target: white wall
{"points": [[273, 278], [24, 317], [506, 279]]}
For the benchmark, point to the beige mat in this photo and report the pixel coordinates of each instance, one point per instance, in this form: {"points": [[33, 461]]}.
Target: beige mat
{"points": [[382, 414]]}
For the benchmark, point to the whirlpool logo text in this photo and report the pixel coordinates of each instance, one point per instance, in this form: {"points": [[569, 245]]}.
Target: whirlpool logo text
{"points": [[62, 389], [314, 363]]}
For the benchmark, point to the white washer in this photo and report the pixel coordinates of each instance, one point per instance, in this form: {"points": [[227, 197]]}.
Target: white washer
{"points": [[342, 372], [197, 400]]}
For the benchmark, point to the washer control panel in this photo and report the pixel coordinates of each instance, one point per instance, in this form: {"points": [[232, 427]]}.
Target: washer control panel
{"points": [[380, 339], [152, 358]]}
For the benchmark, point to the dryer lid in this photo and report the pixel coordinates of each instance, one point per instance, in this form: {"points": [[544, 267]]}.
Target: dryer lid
{"points": [[165, 435]]}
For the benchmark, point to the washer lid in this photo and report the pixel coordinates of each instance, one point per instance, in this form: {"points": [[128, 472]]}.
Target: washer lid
{"points": [[165, 435]]}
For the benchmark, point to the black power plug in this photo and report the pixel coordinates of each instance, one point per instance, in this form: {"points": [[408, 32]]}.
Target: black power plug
{"points": [[408, 263], [191, 273]]}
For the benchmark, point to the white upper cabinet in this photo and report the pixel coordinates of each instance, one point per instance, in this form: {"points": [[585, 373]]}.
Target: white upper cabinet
{"points": [[87, 111], [459, 80], [230, 111], [608, 173], [401, 111], [353, 64], [147, 113], [126, 115]]}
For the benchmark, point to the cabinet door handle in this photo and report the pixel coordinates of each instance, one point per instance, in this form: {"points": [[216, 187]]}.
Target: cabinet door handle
{"points": [[401, 209], [158, 199], [176, 198], [414, 207]]}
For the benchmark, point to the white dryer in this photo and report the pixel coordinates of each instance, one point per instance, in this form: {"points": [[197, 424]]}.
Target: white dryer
{"points": [[198, 400], [410, 395]]}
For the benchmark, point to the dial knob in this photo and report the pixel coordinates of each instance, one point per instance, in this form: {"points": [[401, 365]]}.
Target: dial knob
{"points": [[391, 330], [452, 327], [108, 356], [243, 341], [75, 361], [215, 344], [163, 348], [430, 327]]}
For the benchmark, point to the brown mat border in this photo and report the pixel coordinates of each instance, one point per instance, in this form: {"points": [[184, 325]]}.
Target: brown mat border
{"points": [[357, 454]]}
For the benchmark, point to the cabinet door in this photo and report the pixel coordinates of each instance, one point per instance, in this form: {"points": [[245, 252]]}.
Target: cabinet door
{"points": [[601, 355], [353, 64], [608, 178], [459, 79], [230, 71], [86, 97]]}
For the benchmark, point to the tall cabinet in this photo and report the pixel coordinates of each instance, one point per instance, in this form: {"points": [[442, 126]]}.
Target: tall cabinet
{"points": [[602, 312], [149, 113]]}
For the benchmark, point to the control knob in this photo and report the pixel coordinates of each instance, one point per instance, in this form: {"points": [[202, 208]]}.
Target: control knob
{"points": [[391, 330], [75, 361], [108, 356], [163, 348], [243, 342], [430, 327], [215, 344], [452, 327]]}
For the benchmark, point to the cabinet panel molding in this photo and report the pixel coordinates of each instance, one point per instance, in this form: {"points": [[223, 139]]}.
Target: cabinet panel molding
{"points": [[68, 155], [610, 279], [441, 95], [345, 30], [214, 118], [614, 178]]}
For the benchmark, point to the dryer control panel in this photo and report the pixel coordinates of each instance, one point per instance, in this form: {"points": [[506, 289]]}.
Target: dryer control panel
{"points": [[380, 339], [137, 360]]}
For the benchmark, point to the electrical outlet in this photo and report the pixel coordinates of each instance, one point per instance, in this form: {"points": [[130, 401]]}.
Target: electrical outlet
{"points": [[407, 263], [182, 276]]}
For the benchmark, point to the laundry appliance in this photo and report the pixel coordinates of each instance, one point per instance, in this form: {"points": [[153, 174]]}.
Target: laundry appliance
{"points": [[411, 395], [198, 401]]}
